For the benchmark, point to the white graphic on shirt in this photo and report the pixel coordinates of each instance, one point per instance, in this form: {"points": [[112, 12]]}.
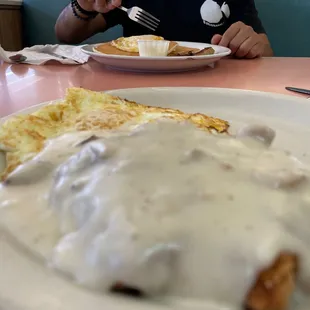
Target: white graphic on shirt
{"points": [[213, 14]]}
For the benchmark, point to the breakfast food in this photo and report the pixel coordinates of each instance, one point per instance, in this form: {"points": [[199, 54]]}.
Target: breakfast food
{"points": [[130, 44], [129, 47], [143, 199], [274, 286], [188, 51], [24, 136], [109, 49]]}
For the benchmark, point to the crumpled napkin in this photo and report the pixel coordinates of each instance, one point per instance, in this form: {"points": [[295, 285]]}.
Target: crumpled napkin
{"points": [[41, 54]]}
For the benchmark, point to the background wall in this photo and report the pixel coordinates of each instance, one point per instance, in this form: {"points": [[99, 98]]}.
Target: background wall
{"points": [[286, 21]]}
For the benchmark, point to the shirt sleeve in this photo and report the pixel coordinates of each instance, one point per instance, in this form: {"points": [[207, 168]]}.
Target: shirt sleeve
{"points": [[114, 18], [246, 12]]}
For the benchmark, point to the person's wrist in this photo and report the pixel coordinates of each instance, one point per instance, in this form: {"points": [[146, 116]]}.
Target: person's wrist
{"points": [[80, 13], [82, 8]]}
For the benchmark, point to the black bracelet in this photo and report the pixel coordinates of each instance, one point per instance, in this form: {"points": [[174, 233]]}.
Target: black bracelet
{"points": [[76, 7]]}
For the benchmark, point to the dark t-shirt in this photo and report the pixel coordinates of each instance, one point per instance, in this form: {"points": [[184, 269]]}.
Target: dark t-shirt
{"points": [[188, 20]]}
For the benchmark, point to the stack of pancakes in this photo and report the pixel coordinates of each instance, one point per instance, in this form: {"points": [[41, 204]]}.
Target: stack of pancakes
{"points": [[129, 47]]}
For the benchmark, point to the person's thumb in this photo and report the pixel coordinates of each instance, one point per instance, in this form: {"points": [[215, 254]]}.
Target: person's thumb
{"points": [[112, 4], [216, 39]]}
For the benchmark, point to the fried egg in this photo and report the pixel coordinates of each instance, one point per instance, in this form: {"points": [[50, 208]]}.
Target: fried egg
{"points": [[130, 44], [24, 136]]}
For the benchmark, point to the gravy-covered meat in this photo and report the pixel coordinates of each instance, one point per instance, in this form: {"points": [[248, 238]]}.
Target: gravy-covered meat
{"points": [[168, 209]]}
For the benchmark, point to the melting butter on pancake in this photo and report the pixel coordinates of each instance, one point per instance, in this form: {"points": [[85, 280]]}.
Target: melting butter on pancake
{"points": [[84, 110], [130, 44]]}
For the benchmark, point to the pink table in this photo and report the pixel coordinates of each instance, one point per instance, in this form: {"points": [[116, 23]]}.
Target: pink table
{"points": [[22, 85]]}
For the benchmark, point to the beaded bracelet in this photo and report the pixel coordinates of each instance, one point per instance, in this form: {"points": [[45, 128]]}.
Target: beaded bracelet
{"points": [[77, 8]]}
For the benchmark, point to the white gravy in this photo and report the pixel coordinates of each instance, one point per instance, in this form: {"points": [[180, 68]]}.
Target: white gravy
{"points": [[169, 210]]}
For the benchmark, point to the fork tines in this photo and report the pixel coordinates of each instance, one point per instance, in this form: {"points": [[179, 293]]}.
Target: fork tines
{"points": [[147, 19], [142, 17]]}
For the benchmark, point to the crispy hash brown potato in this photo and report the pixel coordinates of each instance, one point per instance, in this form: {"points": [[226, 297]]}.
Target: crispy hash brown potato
{"points": [[274, 285], [84, 110]]}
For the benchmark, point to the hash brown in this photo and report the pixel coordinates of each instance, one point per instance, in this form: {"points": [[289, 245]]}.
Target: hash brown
{"points": [[84, 110], [274, 285]]}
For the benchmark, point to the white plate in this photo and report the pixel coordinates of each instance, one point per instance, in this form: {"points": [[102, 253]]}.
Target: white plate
{"points": [[27, 285], [159, 64]]}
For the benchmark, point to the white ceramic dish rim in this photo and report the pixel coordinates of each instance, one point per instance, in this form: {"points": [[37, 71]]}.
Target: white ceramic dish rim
{"points": [[226, 52]]}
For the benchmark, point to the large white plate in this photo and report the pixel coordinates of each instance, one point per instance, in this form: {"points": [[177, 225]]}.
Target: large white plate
{"points": [[25, 284], [159, 64]]}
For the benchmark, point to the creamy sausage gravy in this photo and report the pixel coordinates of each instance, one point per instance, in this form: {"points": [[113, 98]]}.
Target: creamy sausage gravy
{"points": [[167, 209]]}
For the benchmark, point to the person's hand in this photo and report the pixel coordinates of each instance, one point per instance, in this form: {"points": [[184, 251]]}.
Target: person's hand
{"points": [[243, 41], [101, 6]]}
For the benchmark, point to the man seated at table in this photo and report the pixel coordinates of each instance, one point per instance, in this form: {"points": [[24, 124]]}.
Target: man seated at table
{"points": [[231, 23]]}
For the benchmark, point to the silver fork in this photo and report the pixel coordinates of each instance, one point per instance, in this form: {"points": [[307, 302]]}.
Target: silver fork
{"points": [[142, 17]]}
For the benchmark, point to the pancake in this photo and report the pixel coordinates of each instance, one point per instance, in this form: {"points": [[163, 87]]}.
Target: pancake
{"points": [[176, 50], [23, 136], [130, 44], [129, 47], [109, 49]]}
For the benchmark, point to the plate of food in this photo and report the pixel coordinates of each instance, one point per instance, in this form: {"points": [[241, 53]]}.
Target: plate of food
{"points": [[155, 54], [88, 180]]}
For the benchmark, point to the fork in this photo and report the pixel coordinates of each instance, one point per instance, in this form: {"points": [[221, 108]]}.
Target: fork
{"points": [[142, 17]]}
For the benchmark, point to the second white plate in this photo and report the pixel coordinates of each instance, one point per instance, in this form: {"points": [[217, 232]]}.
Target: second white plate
{"points": [[26, 284], [159, 64]]}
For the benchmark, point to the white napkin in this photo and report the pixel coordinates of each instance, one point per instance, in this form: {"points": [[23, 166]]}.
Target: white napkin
{"points": [[40, 54]]}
